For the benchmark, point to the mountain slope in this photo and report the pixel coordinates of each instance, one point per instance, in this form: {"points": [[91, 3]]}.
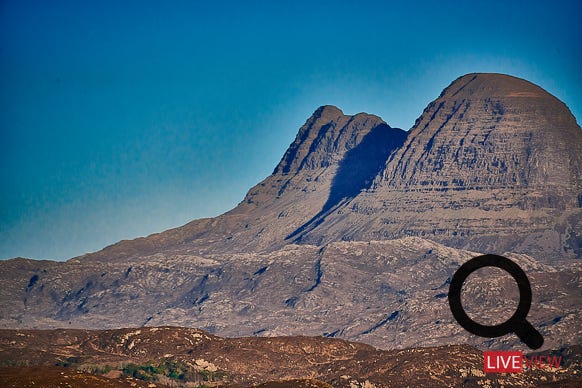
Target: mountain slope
{"points": [[333, 157]]}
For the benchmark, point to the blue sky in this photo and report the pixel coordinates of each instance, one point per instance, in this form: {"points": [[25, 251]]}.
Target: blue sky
{"points": [[119, 119]]}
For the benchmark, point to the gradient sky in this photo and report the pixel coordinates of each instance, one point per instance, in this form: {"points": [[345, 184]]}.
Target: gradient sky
{"points": [[119, 119]]}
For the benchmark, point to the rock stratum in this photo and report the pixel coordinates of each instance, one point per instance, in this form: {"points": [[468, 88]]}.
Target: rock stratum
{"points": [[356, 235]]}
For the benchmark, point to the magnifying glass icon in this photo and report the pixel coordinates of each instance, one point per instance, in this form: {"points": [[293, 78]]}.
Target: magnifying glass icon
{"points": [[517, 323]]}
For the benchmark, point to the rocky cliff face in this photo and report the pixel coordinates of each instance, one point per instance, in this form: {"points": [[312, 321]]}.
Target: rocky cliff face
{"points": [[493, 164]]}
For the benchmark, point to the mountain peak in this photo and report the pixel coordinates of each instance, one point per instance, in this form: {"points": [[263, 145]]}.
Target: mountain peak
{"points": [[490, 130], [493, 85], [324, 115], [324, 138], [330, 111]]}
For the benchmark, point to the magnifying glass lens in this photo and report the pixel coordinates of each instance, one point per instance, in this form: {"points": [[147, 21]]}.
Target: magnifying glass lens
{"points": [[490, 296], [517, 324]]}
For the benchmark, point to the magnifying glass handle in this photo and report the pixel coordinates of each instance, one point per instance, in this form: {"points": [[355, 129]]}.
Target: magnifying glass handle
{"points": [[529, 335]]}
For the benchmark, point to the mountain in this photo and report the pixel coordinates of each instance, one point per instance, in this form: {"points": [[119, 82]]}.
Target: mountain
{"points": [[494, 164], [356, 234]]}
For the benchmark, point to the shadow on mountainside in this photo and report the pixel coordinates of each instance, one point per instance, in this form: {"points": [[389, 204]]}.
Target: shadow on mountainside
{"points": [[356, 171]]}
